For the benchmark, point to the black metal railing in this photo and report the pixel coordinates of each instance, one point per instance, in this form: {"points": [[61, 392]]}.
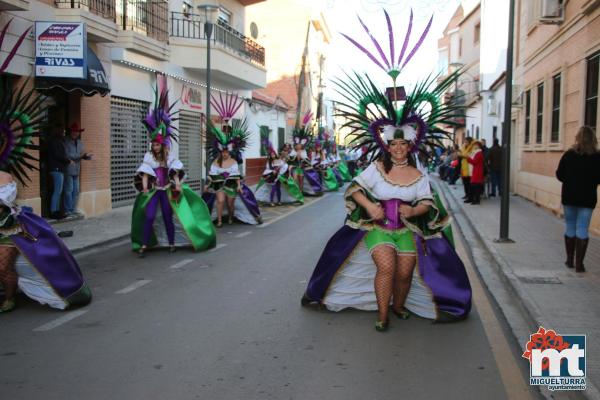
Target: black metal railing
{"points": [[191, 26], [149, 17], [103, 8]]}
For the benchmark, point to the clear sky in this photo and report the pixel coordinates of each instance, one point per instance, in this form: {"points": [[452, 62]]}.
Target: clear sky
{"points": [[344, 56]]}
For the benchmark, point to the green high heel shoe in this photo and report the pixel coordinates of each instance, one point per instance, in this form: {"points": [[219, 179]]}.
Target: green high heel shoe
{"points": [[402, 314], [382, 326]]}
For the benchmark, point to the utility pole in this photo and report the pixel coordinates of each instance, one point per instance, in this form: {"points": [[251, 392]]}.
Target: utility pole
{"points": [[505, 198], [302, 79]]}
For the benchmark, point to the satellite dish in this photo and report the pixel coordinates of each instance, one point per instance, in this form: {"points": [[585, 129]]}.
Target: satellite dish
{"points": [[254, 30]]}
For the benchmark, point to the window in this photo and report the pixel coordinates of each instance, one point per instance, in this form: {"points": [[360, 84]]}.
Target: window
{"points": [[591, 90], [280, 137], [540, 113], [265, 133], [477, 33], [477, 132], [225, 15], [473, 129], [555, 130], [527, 116], [494, 132], [460, 47]]}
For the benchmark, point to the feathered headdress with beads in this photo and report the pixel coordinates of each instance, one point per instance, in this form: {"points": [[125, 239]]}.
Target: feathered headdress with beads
{"points": [[22, 113], [375, 116], [303, 135], [160, 118], [234, 134]]}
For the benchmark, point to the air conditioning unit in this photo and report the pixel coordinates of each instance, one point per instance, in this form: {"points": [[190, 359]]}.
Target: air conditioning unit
{"points": [[552, 12], [517, 96]]}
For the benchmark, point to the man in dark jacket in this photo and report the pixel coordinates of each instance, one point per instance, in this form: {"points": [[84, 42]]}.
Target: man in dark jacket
{"points": [[57, 162], [495, 167]]}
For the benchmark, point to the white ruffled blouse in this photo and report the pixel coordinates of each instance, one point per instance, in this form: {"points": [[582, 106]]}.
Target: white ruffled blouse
{"points": [[374, 180], [150, 164]]}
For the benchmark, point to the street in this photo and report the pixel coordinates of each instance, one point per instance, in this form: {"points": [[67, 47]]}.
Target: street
{"points": [[227, 324]]}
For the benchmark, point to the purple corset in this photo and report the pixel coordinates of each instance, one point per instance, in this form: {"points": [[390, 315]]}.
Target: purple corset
{"points": [[392, 217], [162, 176]]}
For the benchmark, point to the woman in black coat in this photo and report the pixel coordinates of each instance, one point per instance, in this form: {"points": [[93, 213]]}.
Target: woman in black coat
{"points": [[579, 172]]}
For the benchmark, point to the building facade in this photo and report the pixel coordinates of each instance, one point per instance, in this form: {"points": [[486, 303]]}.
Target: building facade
{"points": [[136, 44], [558, 61]]}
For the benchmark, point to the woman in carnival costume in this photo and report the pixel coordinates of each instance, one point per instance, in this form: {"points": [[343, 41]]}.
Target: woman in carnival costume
{"points": [[276, 182], [32, 257], [340, 168], [304, 174], [321, 162], [396, 247], [186, 219], [225, 180]]}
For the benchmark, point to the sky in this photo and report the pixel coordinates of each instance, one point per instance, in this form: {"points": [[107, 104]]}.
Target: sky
{"points": [[344, 56]]}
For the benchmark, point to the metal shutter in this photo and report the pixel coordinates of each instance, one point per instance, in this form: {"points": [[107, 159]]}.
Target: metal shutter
{"points": [[129, 143], [190, 147]]}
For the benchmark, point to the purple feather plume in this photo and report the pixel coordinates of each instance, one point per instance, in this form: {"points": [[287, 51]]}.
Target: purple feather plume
{"points": [[391, 35], [13, 52], [8, 141], [421, 39], [361, 48], [376, 43], [406, 37], [307, 118], [421, 130], [228, 106]]}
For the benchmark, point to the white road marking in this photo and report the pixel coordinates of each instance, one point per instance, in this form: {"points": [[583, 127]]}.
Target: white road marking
{"points": [[181, 264], [219, 246], [134, 286], [243, 234], [60, 321], [295, 210]]}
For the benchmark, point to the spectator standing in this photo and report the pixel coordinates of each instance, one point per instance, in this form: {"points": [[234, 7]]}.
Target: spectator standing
{"points": [[465, 168], [74, 152], [495, 167], [57, 164], [579, 172], [476, 160]]}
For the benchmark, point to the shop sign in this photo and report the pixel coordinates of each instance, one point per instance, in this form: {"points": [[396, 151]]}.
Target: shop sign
{"points": [[60, 49]]}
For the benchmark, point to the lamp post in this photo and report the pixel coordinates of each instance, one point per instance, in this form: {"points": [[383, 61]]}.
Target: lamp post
{"points": [[210, 18], [505, 199]]}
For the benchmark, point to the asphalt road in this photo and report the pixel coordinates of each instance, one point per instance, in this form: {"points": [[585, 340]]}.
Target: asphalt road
{"points": [[227, 324]]}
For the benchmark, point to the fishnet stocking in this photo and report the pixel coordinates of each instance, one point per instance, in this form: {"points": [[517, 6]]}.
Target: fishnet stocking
{"points": [[385, 261], [402, 279], [8, 275]]}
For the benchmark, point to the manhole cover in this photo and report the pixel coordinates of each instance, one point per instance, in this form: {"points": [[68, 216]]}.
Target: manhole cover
{"points": [[549, 280]]}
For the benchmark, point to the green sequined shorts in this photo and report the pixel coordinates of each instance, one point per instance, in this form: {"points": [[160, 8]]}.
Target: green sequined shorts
{"points": [[401, 240]]}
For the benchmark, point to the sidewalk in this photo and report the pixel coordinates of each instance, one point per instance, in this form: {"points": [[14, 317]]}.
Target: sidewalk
{"points": [[110, 227], [554, 297]]}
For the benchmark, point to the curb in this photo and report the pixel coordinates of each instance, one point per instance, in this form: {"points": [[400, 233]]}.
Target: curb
{"points": [[95, 246], [529, 310]]}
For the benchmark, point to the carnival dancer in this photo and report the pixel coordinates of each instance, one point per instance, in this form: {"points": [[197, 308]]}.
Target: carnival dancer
{"points": [[276, 177], [340, 168], [323, 164], [32, 257], [160, 180], [304, 174], [225, 181], [396, 247]]}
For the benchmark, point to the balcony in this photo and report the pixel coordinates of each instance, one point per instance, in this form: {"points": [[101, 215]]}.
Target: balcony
{"points": [[145, 26], [99, 16], [14, 5], [235, 58]]}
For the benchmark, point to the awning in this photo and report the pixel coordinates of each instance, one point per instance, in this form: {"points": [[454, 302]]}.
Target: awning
{"points": [[96, 82]]}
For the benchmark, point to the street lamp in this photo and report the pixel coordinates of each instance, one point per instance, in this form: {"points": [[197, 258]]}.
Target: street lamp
{"points": [[211, 13]]}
